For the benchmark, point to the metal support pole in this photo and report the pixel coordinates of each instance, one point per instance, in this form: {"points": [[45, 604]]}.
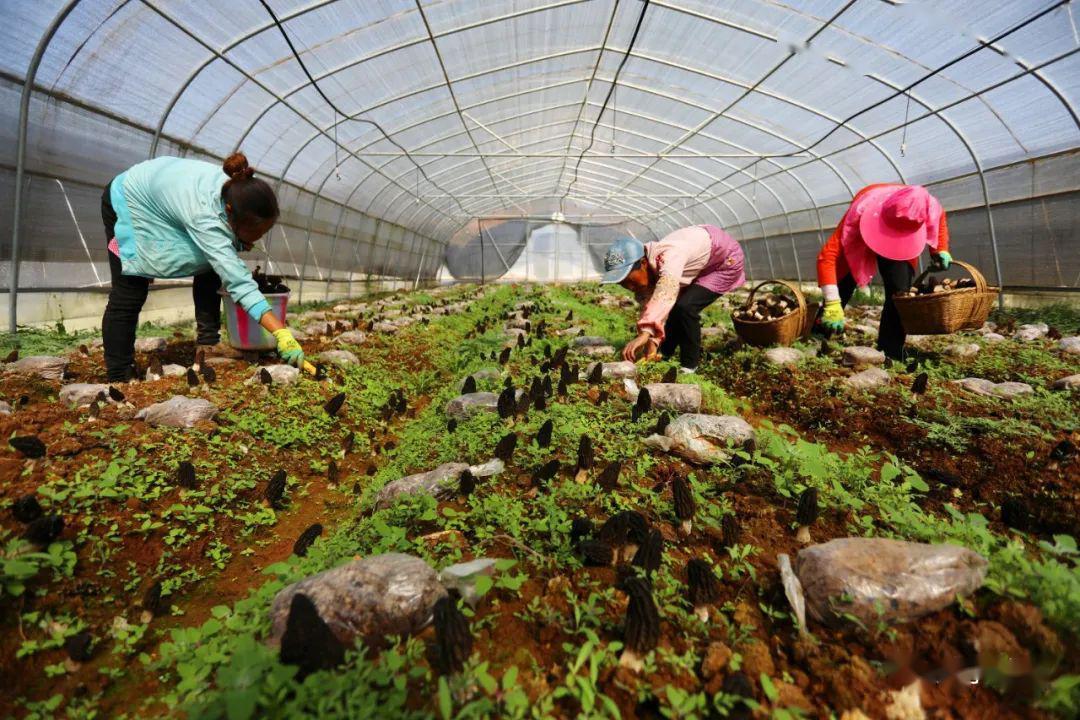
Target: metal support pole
{"points": [[419, 269], [20, 158], [480, 229]]}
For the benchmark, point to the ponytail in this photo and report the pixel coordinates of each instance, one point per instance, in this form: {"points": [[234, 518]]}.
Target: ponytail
{"points": [[251, 200]]}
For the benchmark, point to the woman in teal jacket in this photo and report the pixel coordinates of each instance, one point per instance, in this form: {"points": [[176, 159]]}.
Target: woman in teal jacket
{"points": [[170, 217]]}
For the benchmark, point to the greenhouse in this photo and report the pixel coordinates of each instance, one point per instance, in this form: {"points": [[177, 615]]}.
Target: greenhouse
{"points": [[540, 358]]}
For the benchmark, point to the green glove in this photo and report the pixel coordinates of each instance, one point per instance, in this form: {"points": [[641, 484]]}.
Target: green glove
{"points": [[942, 260], [833, 317], [287, 347]]}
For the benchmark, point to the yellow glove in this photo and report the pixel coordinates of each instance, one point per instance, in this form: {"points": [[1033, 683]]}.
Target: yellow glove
{"points": [[833, 317], [287, 347]]}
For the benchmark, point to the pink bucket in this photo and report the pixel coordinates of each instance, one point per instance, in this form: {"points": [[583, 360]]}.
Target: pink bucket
{"points": [[245, 333]]}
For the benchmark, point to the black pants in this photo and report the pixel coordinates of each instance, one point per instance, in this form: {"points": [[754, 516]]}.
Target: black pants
{"points": [[683, 327], [896, 275], [127, 297]]}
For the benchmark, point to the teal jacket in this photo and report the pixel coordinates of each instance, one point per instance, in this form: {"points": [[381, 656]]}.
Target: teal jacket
{"points": [[171, 222]]}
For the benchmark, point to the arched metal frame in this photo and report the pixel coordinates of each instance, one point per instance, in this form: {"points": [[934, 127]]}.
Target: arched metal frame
{"points": [[437, 220]]}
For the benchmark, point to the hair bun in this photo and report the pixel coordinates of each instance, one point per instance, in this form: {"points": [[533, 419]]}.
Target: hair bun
{"points": [[236, 166]]}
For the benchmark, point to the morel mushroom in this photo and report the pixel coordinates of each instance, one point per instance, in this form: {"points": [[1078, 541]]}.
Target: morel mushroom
{"points": [[558, 360], [729, 531], [672, 375], [563, 390], [466, 483], [546, 386], [642, 405], [545, 473], [185, 475], [469, 386], [543, 436], [152, 602], [684, 504], [208, 373], [192, 378], [321, 372], [521, 341], [115, 394], [625, 531], [26, 509], [504, 449], [333, 405], [306, 540], [1063, 451], [596, 553], [536, 389], [79, 646], [649, 555], [602, 397], [308, 642], [703, 587], [662, 423], [921, 382], [580, 528], [348, 443], [275, 489], [540, 403], [808, 512], [452, 636], [507, 404], [451, 425], [332, 473], [265, 377], [504, 356], [642, 630], [596, 375], [29, 446], [609, 476], [43, 531], [585, 458], [522, 405]]}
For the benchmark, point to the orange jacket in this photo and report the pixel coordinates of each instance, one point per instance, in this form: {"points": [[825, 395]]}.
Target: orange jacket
{"points": [[831, 265]]}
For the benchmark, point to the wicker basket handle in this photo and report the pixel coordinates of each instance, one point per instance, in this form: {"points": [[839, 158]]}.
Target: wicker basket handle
{"points": [[799, 297], [980, 281]]}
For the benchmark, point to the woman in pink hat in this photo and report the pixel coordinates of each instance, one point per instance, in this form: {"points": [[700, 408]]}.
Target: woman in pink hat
{"points": [[885, 229]]}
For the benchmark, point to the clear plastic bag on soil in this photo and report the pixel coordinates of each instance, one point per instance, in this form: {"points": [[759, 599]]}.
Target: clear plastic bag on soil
{"points": [[178, 411], [881, 580]]}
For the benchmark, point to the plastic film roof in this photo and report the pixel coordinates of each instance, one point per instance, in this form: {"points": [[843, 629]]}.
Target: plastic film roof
{"points": [[743, 113]]}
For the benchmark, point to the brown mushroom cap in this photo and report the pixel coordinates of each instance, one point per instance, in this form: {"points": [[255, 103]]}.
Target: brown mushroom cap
{"points": [[504, 449], [596, 552], [642, 630], [684, 499], [808, 507], [650, 553], [452, 636], [308, 641], [543, 436], [702, 583], [729, 529], [585, 454], [609, 476]]}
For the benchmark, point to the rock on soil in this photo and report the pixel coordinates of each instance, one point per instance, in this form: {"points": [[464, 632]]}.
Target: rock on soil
{"points": [[783, 356], [464, 406], [866, 329], [1069, 382], [5, 408], [597, 351], [963, 350], [385, 328], [338, 357], [1006, 390], [704, 438], [491, 468], [589, 341], [463, 576], [1031, 331], [1071, 345], [79, 394], [316, 329], [713, 332], [151, 344], [178, 411], [440, 483], [993, 337], [860, 355], [371, 598], [672, 396], [352, 337], [614, 370], [173, 370], [887, 580], [48, 367], [280, 374], [867, 379]]}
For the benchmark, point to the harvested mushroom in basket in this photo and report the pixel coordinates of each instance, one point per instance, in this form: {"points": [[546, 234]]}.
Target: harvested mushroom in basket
{"points": [[767, 307], [932, 285]]}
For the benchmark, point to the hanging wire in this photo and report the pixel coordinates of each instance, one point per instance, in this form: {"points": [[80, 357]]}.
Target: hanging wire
{"points": [[903, 135], [339, 111], [614, 108], [607, 98]]}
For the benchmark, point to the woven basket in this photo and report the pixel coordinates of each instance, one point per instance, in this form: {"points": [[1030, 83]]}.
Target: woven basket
{"points": [[776, 331], [948, 311]]}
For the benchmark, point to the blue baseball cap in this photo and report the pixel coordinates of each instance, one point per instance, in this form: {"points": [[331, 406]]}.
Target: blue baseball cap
{"points": [[620, 259]]}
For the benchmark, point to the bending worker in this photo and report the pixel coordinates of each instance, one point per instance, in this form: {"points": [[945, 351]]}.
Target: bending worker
{"points": [[170, 217], [885, 228], [675, 279]]}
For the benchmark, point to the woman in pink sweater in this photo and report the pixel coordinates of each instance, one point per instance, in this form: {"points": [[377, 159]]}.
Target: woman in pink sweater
{"points": [[675, 279]]}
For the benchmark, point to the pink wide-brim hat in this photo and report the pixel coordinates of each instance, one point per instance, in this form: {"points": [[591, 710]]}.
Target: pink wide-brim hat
{"points": [[894, 225]]}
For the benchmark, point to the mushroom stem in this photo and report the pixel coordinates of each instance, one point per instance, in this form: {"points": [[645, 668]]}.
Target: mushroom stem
{"points": [[582, 476], [702, 611], [630, 659], [685, 527], [629, 551], [803, 536]]}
